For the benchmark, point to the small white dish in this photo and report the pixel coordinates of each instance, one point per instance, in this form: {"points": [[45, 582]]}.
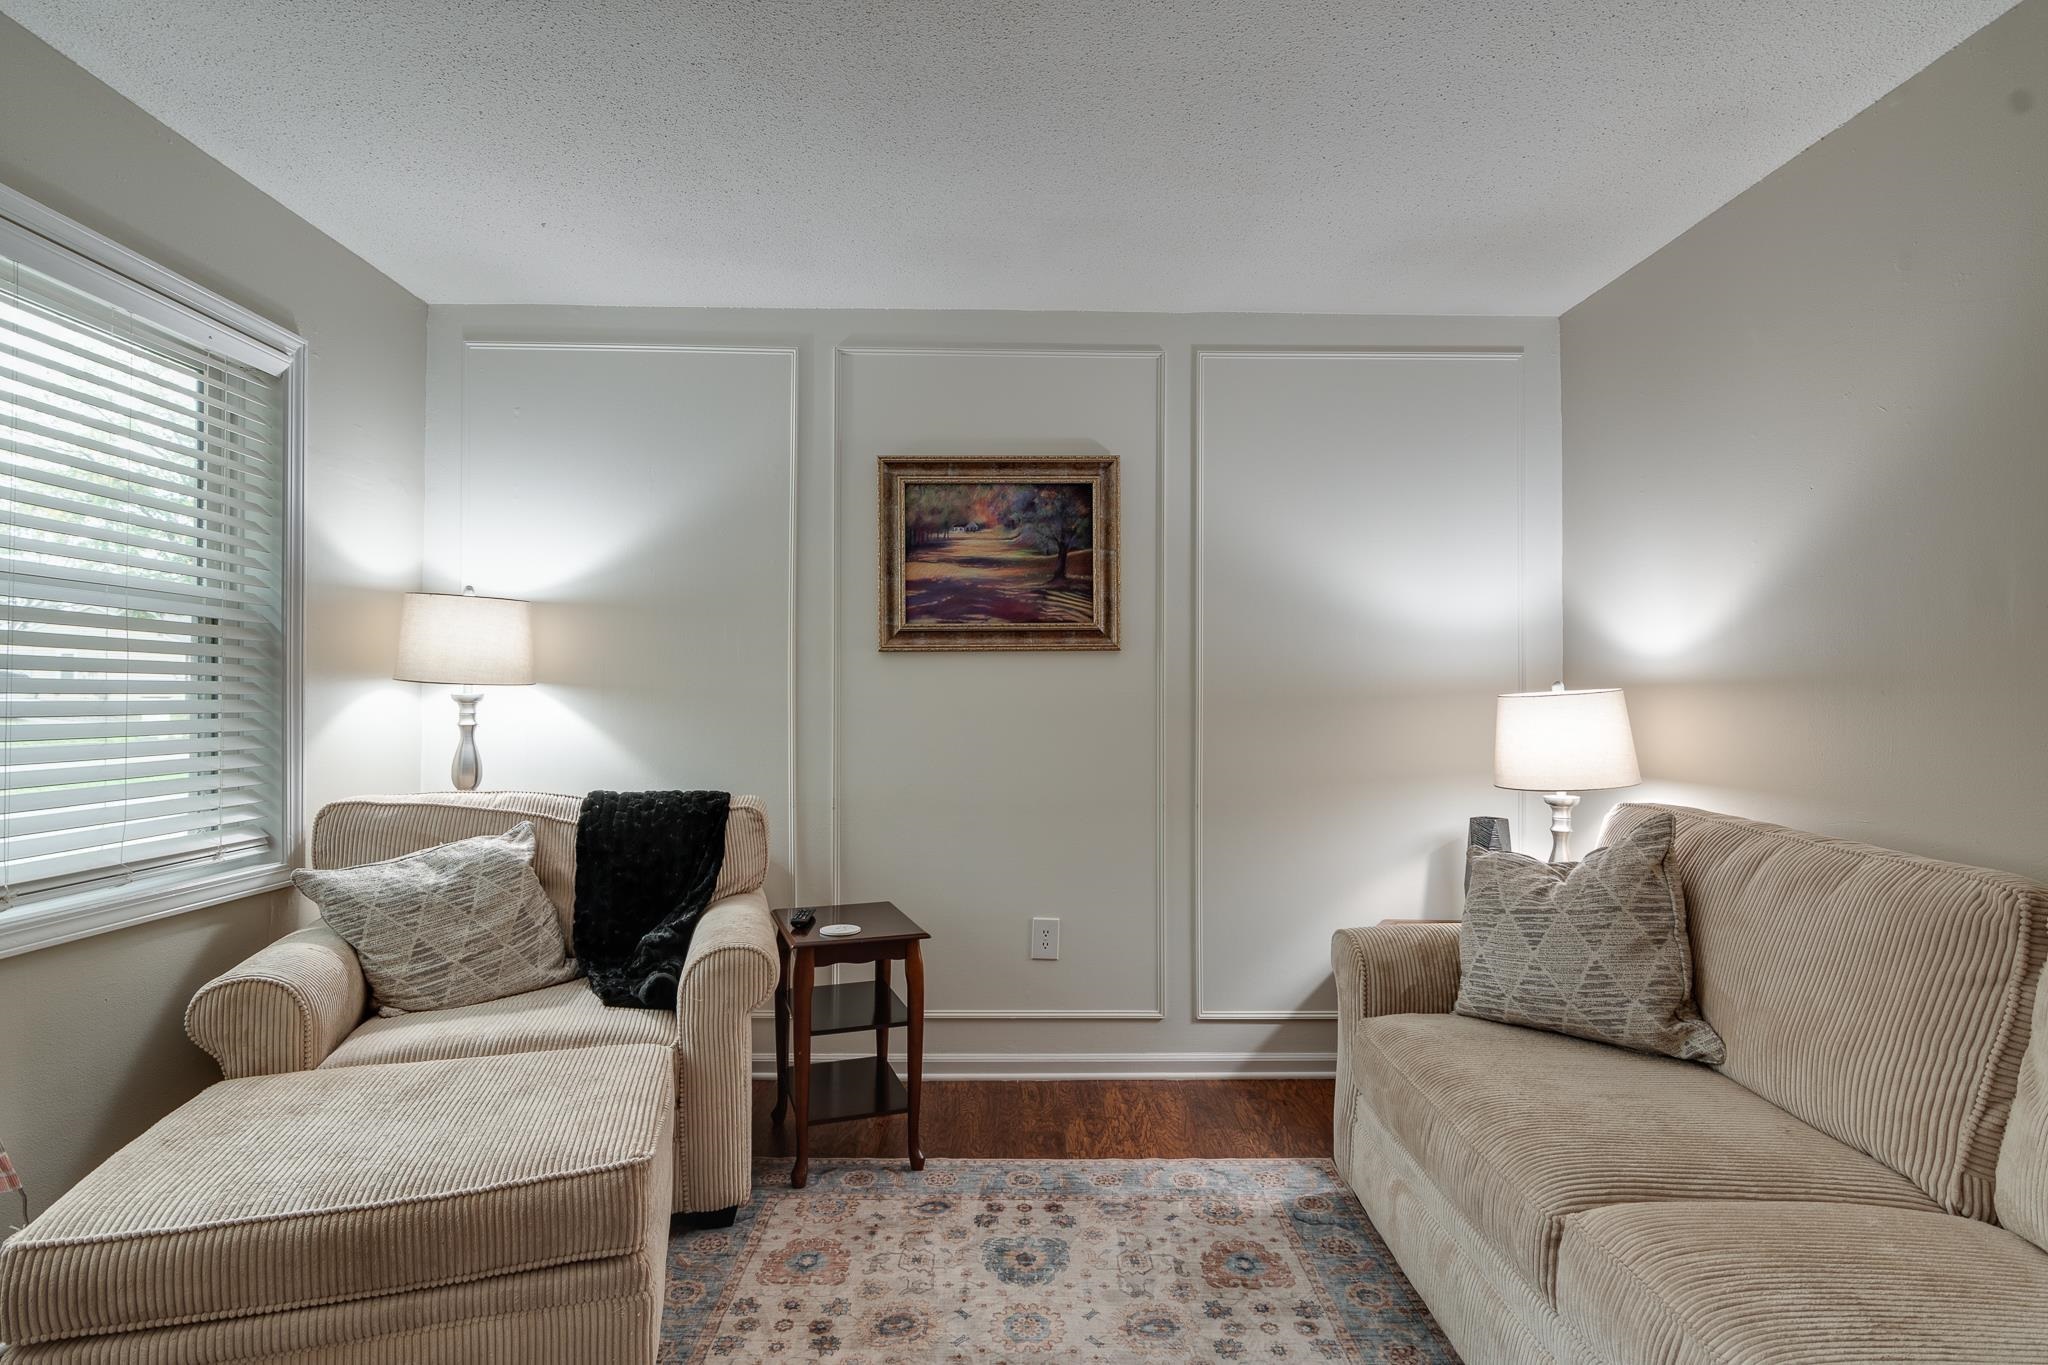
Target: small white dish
{"points": [[838, 930]]}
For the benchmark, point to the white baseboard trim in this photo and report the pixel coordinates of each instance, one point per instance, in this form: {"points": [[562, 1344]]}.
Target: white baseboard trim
{"points": [[1079, 1066]]}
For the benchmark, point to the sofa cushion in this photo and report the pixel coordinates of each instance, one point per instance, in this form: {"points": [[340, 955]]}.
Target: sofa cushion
{"points": [[369, 829], [1596, 949], [561, 1016], [1881, 997], [283, 1192], [1522, 1129], [1701, 1283]]}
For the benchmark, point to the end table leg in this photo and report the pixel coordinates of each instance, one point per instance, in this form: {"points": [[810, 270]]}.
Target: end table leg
{"points": [[781, 1038], [800, 1065], [913, 975], [882, 1011]]}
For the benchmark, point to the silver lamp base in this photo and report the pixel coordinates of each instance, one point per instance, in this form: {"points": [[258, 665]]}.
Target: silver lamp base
{"points": [[465, 771], [1561, 806]]}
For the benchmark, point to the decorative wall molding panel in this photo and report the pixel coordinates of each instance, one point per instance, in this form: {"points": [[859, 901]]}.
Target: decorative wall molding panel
{"points": [[1048, 388], [1358, 588], [595, 479]]}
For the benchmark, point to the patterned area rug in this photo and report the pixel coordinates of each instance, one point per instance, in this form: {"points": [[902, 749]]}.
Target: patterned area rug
{"points": [[1034, 1261]]}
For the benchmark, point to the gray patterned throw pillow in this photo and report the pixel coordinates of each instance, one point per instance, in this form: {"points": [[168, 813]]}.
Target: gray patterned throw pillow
{"points": [[454, 925], [1597, 949]]}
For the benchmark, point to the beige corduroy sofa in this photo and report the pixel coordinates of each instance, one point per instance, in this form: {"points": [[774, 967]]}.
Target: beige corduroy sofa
{"points": [[302, 1003], [1833, 1192]]}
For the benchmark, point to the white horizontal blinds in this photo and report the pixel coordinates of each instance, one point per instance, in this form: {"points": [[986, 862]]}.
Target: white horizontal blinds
{"points": [[142, 566]]}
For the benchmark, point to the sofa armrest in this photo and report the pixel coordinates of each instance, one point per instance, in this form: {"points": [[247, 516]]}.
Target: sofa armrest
{"points": [[1399, 967], [1410, 967], [731, 970], [284, 1008]]}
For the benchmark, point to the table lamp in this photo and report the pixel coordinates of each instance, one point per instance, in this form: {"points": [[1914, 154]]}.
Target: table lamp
{"points": [[1560, 742], [470, 642]]}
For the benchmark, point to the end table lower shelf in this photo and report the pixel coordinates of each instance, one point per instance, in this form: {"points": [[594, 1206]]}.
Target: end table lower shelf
{"points": [[856, 1088], [853, 1087]]}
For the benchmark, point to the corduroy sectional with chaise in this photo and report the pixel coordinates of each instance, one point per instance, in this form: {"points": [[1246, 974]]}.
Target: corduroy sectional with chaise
{"points": [[484, 1184], [302, 1003], [1864, 1178]]}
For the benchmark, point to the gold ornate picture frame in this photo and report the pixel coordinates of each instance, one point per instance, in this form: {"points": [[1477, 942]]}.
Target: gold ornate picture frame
{"points": [[998, 552]]}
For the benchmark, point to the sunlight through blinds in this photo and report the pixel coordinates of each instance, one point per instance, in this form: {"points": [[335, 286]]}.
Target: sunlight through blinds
{"points": [[142, 506]]}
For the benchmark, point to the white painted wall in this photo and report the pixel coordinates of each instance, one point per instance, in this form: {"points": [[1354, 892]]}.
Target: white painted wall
{"points": [[1379, 555], [1805, 475], [94, 1049]]}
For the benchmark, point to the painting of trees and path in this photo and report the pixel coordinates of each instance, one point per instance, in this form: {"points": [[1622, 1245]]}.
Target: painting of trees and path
{"points": [[997, 562], [1014, 552]]}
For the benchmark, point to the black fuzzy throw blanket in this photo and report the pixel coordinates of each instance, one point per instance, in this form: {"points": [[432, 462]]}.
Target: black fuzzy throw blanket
{"points": [[646, 865]]}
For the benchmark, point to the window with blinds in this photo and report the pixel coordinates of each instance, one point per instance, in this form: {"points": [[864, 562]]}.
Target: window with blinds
{"points": [[143, 564]]}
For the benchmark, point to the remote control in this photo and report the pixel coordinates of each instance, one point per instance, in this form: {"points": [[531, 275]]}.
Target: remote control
{"points": [[802, 920]]}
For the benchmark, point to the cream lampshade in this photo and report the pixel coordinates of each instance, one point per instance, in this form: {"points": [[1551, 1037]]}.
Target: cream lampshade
{"points": [[471, 642], [1559, 742]]}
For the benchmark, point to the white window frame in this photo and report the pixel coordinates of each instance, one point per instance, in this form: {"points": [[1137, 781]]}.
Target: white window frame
{"points": [[57, 246]]}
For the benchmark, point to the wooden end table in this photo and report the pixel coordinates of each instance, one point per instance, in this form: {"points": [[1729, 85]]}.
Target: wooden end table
{"points": [[859, 1087]]}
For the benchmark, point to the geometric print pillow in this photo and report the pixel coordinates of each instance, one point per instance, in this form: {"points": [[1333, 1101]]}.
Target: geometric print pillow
{"points": [[454, 925], [1597, 949]]}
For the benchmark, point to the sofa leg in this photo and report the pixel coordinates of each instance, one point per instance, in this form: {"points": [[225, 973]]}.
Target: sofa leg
{"points": [[713, 1218]]}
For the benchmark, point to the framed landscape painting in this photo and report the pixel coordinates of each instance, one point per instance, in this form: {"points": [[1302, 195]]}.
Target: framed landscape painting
{"points": [[998, 552]]}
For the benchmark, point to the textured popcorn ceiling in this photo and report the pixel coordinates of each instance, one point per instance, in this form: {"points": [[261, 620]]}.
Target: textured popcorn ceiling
{"points": [[1436, 156]]}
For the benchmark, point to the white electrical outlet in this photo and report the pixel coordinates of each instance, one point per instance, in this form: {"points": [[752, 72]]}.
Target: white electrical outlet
{"points": [[1045, 940]]}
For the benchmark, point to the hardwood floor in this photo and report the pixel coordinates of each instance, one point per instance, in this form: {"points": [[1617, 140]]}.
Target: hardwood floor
{"points": [[1085, 1119]]}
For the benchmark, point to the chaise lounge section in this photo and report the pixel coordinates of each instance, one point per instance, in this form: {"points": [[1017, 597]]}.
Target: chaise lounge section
{"points": [[302, 1004], [488, 1211]]}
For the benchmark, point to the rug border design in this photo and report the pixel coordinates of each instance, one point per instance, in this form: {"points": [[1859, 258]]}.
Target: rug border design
{"points": [[707, 1268]]}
